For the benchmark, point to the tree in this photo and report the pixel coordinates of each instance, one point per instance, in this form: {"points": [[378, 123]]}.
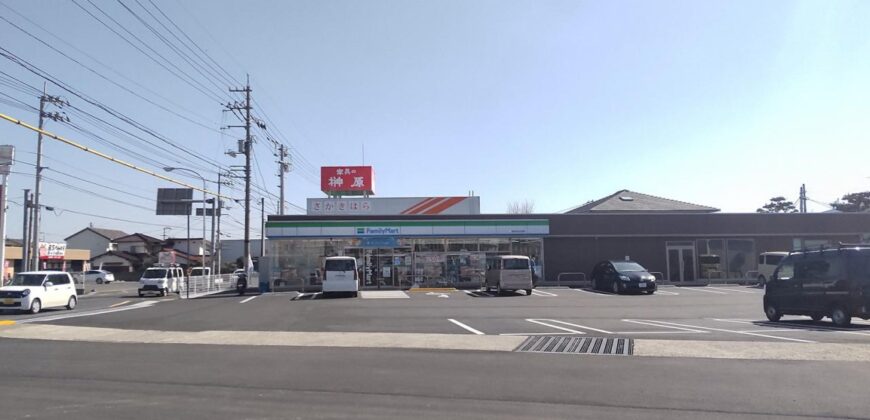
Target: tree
{"points": [[853, 202], [521, 207], [778, 205]]}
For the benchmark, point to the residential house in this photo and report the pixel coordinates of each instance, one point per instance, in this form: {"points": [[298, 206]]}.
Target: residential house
{"points": [[97, 240], [130, 253]]}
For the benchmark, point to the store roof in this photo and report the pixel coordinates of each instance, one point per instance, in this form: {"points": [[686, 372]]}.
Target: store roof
{"points": [[625, 201]]}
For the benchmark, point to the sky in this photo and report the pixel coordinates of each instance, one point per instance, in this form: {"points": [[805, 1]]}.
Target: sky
{"points": [[720, 103]]}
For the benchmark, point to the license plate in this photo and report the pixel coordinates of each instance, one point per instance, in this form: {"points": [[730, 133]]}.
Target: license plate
{"points": [[8, 301], [641, 285]]}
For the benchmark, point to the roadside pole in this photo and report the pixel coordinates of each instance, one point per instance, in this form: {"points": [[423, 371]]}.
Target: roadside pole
{"points": [[25, 235], [7, 154]]}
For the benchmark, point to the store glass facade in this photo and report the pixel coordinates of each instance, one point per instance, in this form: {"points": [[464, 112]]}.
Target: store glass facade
{"points": [[398, 263]]}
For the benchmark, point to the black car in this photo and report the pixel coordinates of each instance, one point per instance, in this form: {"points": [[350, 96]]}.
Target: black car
{"points": [[831, 283], [622, 276]]}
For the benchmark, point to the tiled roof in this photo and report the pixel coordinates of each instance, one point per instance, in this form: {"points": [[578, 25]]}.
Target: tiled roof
{"points": [[625, 201]]}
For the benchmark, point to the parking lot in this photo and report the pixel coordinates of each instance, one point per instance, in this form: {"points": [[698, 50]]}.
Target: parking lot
{"points": [[674, 313]]}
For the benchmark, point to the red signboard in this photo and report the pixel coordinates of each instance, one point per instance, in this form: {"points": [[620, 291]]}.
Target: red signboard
{"points": [[347, 180]]}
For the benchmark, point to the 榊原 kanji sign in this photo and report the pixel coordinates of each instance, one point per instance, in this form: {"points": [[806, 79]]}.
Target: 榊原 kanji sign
{"points": [[347, 180]]}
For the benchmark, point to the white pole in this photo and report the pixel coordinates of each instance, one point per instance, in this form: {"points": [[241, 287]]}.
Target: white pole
{"points": [[3, 230]]}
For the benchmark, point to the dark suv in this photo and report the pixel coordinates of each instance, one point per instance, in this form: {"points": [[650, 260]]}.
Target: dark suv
{"points": [[827, 282]]}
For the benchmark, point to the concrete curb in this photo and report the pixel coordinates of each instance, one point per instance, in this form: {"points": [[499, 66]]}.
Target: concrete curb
{"points": [[266, 338]]}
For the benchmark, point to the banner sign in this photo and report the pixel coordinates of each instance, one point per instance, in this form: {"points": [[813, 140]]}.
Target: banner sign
{"points": [[52, 250], [393, 205], [347, 180]]}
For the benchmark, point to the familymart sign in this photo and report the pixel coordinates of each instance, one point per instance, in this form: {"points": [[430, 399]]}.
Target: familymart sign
{"points": [[409, 228]]}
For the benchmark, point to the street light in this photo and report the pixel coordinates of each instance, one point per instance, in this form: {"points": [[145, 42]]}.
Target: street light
{"points": [[202, 261]]}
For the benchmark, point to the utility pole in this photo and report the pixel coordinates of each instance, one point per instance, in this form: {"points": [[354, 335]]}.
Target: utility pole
{"points": [[803, 198], [25, 235], [247, 151], [262, 228], [283, 167], [7, 156], [57, 101]]}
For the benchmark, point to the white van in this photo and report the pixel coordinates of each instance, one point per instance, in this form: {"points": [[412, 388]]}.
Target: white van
{"points": [[340, 275], [161, 280], [509, 273], [767, 262]]}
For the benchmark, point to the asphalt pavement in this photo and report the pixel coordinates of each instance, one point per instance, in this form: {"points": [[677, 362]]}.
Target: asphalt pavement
{"points": [[111, 381], [674, 313]]}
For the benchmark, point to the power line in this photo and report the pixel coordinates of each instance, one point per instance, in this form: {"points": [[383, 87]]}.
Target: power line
{"points": [[41, 73], [187, 78], [104, 77]]}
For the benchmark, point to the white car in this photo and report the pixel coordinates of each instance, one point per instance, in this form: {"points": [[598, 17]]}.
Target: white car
{"points": [[33, 291], [99, 276], [161, 280]]}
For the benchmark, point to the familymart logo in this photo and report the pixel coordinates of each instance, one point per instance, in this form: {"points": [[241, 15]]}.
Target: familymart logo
{"points": [[377, 231]]}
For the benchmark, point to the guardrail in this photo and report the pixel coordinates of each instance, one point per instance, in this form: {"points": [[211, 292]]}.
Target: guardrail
{"points": [[197, 286], [559, 282]]}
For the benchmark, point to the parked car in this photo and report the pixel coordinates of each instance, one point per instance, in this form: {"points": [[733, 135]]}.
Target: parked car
{"points": [[33, 291], [340, 275], [622, 276], [831, 283], [161, 280], [767, 262], [508, 273], [99, 276]]}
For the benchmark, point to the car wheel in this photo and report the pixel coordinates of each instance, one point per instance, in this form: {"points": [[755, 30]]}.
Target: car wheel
{"points": [[71, 303], [615, 288], [772, 312], [35, 306], [594, 284], [164, 292], [817, 317], [99, 281], [650, 292], [528, 292], [840, 317]]}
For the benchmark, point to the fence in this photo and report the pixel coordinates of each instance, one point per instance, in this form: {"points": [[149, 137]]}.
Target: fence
{"points": [[198, 286]]}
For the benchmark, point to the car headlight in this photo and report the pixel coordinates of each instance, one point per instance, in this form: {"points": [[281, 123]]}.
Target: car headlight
{"points": [[25, 293], [624, 278]]}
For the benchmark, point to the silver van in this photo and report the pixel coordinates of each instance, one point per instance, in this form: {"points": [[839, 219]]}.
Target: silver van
{"points": [[509, 273]]}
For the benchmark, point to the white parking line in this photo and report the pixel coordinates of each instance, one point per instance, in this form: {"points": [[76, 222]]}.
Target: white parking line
{"points": [[650, 324], [734, 289], [731, 331], [249, 299], [139, 305], [666, 293], [542, 293], [597, 293], [466, 327], [701, 289], [796, 327], [541, 322]]}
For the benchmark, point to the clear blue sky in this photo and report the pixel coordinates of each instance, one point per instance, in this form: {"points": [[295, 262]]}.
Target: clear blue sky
{"points": [[719, 103]]}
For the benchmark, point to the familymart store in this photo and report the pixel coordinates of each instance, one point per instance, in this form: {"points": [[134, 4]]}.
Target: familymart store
{"points": [[398, 253]]}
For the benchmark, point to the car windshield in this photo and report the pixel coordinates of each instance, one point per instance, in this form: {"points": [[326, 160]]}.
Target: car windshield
{"points": [[154, 274], [27, 280], [339, 265], [516, 264], [625, 267]]}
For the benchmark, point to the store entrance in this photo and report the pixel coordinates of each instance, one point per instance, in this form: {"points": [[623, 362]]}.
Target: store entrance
{"points": [[382, 268]]}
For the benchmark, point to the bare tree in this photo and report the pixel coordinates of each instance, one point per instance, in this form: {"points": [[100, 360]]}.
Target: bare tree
{"points": [[521, 207]]}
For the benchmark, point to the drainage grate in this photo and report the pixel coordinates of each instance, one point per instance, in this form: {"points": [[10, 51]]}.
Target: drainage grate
{"points": [[577, 345]]}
